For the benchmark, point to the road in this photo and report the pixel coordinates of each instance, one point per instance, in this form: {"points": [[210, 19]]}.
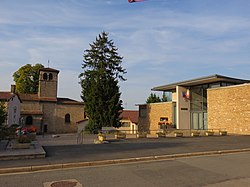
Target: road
{"points": [[211, 171], [57, 154]]}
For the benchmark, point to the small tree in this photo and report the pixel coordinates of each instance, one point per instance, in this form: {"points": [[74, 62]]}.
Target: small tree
{"points": [[153, 98], [99, 82], [27, 78]]}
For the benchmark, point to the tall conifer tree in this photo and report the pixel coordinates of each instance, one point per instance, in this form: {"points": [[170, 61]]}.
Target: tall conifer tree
{"points": [[102, 71]]}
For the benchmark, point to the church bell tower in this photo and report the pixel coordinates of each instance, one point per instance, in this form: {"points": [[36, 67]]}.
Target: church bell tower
{"points": [[48, 79]]}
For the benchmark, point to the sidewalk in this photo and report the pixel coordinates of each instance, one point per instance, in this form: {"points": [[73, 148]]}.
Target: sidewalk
{"points": [[61, 156], [7, 153]]}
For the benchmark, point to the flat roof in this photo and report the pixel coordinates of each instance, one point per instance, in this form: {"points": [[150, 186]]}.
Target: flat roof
{"points": [[199, 81]]}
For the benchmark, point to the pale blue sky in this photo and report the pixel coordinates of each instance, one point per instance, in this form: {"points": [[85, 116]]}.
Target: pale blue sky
{"points": [[162, 41]]}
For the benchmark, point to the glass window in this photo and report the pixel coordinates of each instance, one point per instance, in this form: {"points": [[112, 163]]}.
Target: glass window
{"points": [[125, 124], [215, 85], [198, 100], [163, 119], [167, 96]]}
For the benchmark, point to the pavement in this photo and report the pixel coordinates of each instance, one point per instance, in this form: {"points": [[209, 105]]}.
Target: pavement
{"points": [[64, 152]]}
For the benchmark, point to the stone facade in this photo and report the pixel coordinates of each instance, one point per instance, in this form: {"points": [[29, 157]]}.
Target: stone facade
{"points": [[150, 115], [48, 112], [229, 109]]}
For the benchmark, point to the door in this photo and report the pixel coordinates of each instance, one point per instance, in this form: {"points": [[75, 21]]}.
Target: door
{"points": [[199, 120]]}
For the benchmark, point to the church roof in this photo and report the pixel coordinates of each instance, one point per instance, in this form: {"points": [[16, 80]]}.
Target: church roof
{"points": [[28, 97], [68, 101], [6, 95], [49, 70], [34, 97]]}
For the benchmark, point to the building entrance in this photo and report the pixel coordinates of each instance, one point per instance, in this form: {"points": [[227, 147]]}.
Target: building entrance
{"points": [[199, 120]]}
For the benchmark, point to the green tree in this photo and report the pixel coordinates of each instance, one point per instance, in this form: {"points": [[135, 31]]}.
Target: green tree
{"points": [[153, 98], [27, 78], [3, 113], [102, 71]]}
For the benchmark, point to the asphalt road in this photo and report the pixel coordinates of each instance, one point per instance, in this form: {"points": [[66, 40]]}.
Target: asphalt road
{"points": [[210, 171], [57, 154]]}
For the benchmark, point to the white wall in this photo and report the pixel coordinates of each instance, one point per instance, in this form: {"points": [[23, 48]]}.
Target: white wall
{"points": [[13, 111], [182, 109]]}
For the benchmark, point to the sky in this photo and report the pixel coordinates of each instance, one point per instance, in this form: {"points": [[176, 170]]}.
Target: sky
{"points": [[161, 41]]}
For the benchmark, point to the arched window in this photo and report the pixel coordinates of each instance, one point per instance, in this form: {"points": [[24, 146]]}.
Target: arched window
{"points": [[67, 118], [29, 120], [45, 76], [50, 76]]}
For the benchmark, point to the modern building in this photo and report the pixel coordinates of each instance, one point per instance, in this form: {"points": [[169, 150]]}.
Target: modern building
{"points": [[212, 102], [48, 112]]}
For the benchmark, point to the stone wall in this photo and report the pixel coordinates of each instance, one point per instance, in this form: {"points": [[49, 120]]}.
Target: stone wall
{"points": [[31, 106], [76, 113], [148, 120], [229, 109]]}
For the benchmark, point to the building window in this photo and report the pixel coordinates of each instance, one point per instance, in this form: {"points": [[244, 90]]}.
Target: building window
{"points": [[50, 76], [125, 124], [164, 119], [45, 76], [29, 120], [67, 118]]}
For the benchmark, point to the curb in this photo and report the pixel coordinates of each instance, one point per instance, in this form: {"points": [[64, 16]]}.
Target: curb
{"points": [[116, 161]]}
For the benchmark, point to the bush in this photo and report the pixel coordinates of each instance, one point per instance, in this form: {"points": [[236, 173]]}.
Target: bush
{"points": [[7, 132]]}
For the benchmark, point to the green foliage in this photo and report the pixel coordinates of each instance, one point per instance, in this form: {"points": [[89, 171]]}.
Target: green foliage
{"points": [[153, 98], [7, 132], [102, 71], [27, 78], [3, 113]]}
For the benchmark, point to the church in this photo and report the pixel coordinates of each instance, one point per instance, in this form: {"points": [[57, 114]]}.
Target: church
{"points": [[47, 112]]}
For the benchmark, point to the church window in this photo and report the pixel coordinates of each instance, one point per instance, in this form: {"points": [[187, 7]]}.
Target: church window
{"points": [[67, 118], [29, 120], [45, 76], [50, 76]]}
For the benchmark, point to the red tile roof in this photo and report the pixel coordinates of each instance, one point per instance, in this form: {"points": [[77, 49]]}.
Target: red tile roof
{"points": [[132, 115], [49, 69], [34, 97], [6, 95], [28, 97]]}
